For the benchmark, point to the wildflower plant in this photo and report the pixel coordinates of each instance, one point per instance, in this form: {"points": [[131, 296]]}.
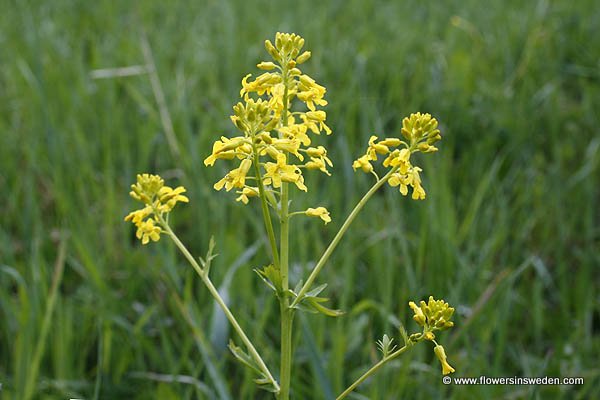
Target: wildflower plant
{"points": [[278, 122]]}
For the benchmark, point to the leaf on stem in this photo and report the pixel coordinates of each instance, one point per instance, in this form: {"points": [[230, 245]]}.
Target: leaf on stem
{"points": [[272, 277], [386, 345], [262, 381]]}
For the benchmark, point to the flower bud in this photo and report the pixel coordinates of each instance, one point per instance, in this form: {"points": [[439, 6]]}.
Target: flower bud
{"points": [[266, 65], [303, 57], [272, 50]]}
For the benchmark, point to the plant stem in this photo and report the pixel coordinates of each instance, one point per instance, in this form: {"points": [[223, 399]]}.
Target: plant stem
{"points": [[265, 208], [336, 240], [40, 346], [287, 314], [372, 370], [215, 294]]}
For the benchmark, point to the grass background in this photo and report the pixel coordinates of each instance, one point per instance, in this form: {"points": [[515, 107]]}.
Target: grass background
{"points": [[508, 234]]}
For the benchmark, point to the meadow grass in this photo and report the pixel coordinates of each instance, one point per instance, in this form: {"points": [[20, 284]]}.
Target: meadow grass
{"points": [[508, 234]]}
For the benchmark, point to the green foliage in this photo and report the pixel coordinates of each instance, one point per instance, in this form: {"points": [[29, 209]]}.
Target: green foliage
{"points": [[508, 233]]}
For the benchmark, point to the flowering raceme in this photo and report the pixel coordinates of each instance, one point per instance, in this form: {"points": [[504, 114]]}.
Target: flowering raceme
{"points": [[275, 139], [420, 132], [158, 199]]}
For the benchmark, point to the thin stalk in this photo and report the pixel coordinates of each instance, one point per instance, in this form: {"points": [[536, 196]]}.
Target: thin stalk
{"points": [[265, 208], [372, 370], [336, 240], [286, 312], [215, 294], [40, 346]]}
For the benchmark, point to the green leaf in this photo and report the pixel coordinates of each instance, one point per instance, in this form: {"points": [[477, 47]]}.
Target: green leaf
{"points": [[271, 276], [265, 383], [316, 291], [386, 345], [243, 357], [262, 381], [312, 304]]}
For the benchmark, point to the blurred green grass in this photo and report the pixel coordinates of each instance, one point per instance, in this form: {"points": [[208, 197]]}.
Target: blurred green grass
{"points": [[508, 234]]}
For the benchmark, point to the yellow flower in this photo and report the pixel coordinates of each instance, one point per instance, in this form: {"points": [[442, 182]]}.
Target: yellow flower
{"points": [[168, 197], [441, 355], [282, 172], [148, 230], [236, 178], [315, 121], [138, 216], [376, 148], [311, 92], [398, 158], [363, 163], [261, 85], [246, 193], [296, 131], [410, 178], [288, 145], [318, 159], [320, 212], [224, 149]]}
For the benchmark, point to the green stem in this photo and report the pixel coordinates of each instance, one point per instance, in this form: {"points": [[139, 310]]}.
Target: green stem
{"points": [[40, 346], [287, 314], [265, 208], [372, 370], [336, 240], [215, 294]]}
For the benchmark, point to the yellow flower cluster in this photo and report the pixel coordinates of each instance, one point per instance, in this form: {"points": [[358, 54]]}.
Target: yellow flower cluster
{"points": [[158, 200], [275, 141], [420, 132], [434, 315]]}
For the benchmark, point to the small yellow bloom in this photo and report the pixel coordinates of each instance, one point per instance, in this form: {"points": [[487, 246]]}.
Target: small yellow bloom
{"points": [[263, 84], [363, 163], [376, 148], [138, 216], [311, 92], [236, 178], [148, 230], [246, 193], [410, 178], [296, 131], [282, 172], [288, 145], [318, 159], [320, 212], [224, 149], [315, 121], [317, 163], [441, 355]]}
